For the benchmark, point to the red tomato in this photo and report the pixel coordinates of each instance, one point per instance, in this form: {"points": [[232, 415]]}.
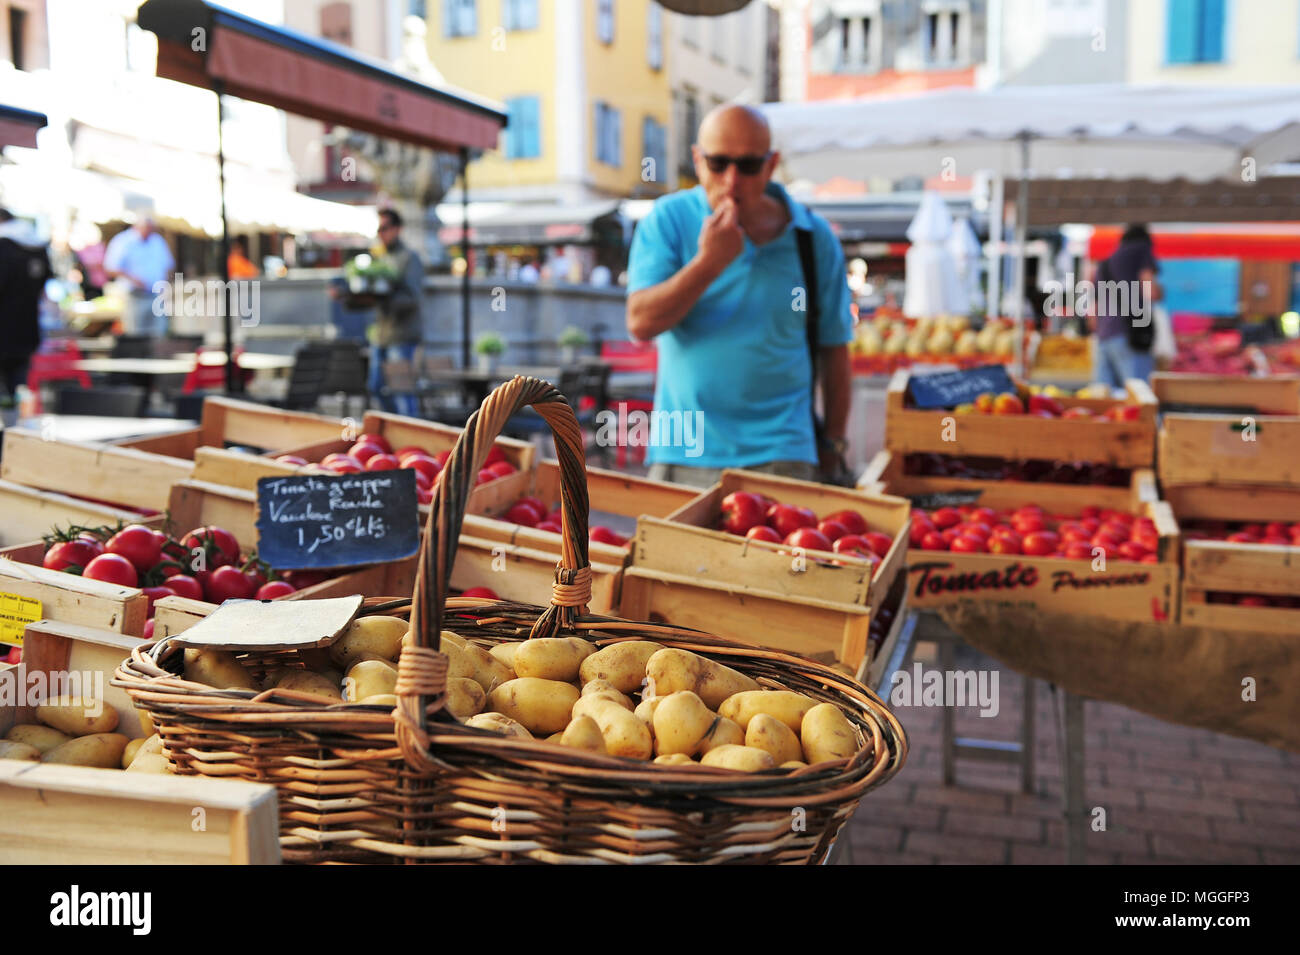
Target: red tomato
{"points": [[136, 543], [423, 465], [342, 464], [15, 654], [833, 530], [363, 451], [603, 535], [410, 449], [1040, 543], [442, 456], [1027, 523], [968, 544], [1074, 531], [878, 542], [183, 585], [67, 554], [983, 515], [741, 511], [424, 495], [945, 517], [423, 482], [484, 476], [1078, 550], [494, 455], [977, 529], [501, 468], [377, 439], [274, 588], [854, 544], [1130, 550], [1005, 544], [934, 541], [227, 583], [383, 462], [809, 538], [553, 526], [487, 593], [761, 532], [220, 545], [292, 459], [919, 527], [148, 629], [156, 593], [525, 513], [788, 518], [302, 579], [854, 523], [112, 569]]}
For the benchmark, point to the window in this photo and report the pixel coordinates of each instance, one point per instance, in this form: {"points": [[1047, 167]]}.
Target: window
{"points": [[336, 23], [605, 20], [17, 34], [416, 8], [718, 49], [524, 128], [609, 135], [690, 122], [654, 52], [459, 18], [654, 146], [519, 14], [1194, 31], [855, 52], [944, 34], [690, 29]]}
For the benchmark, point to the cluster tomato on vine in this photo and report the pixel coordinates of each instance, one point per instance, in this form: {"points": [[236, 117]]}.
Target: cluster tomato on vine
{"points": [[205, 564]]}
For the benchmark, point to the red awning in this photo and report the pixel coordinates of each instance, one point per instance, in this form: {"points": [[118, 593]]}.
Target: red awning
{"points": [[1279, 243], [18, 126], [310, 77]]}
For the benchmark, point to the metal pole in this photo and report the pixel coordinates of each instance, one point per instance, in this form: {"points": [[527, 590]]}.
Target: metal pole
{"points": [[1022, 227], [234, 384], [996, 214], [464, 248]]}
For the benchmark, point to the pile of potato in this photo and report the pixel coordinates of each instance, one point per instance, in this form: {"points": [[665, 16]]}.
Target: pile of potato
{"points": [[688, 709], [68, 733]]}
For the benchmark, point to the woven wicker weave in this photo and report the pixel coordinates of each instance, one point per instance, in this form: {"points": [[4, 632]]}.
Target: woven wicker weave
{"points": [[372, 784]]}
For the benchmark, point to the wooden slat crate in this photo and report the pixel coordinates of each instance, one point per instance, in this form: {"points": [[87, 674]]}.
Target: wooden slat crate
{"points": [[1222, 567], [228, 421], [1123, 591], [103, 472], [27, 514], [1229, 449], [1128, 444], [885, 472], [1275, 395], [686, 543], [76, 600]]}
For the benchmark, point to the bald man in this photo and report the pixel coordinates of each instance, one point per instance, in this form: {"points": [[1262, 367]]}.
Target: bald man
{"points": [[716, 281]]}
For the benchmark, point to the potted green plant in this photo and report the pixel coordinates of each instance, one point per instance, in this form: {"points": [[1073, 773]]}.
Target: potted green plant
{"points": [[571, 339], [368, 279], [489, 347]]}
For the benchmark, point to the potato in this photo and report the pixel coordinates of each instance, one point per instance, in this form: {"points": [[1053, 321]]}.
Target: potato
{"points": [[505, 652], [584, 733], [622, 664], [97, 749], [793, 764], [498, 723], [380, 699], [9, 749], [78, 715], [146, 722], [676, 759], [459, 666], [827, 734], [326, 686], [42, 737], [607, 690], [787, 707], [677, 670], [723, 732], [142, 747], [624, 734], [218, 668], [745, 758], [381, 636], [680, 722], [772, 736], [489, 672], [552, 658], [465, 698], [150, 763], [542, 706], [369, 678], [645, 711]]}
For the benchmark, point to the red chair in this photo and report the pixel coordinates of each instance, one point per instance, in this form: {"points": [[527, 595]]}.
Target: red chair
{"points": [[631, 356], [56, 360], [210, 377]]}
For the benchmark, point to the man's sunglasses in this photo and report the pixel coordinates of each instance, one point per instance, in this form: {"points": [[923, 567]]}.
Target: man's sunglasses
{"points": [[745, 165]]}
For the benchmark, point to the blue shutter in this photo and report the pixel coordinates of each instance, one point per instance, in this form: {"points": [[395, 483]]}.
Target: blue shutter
{"points": [[1181, 29], [512, 128], [1212, 23], [532, 145]]}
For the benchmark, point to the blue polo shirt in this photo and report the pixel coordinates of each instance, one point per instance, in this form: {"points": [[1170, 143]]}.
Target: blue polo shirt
{"points": [[738, 363]]}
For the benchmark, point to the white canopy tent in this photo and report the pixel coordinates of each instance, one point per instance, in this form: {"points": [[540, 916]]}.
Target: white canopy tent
{"points": [[1101, 131]]}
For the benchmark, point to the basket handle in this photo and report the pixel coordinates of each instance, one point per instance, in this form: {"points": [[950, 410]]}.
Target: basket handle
{"points": [[421, 669]]}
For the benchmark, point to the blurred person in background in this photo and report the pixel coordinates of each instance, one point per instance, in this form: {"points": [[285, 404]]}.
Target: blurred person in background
{"points": [[24, 270], [1124, 341], [141, 258], [399, 325], [238, 262]]}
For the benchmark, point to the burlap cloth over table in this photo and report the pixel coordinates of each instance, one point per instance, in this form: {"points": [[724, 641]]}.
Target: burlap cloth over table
{"points": [[1187, 675]]}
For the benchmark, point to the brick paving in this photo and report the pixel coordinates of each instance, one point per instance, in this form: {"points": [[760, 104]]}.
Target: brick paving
{"points": [[1172, 794]]}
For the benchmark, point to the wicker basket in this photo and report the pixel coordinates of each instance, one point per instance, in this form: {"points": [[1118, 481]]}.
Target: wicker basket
{"points": [[369, 784]]}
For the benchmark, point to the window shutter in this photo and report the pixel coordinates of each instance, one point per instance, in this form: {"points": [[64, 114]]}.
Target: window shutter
{"points": [[1181, 31], [1212, 23], [532, 128]]}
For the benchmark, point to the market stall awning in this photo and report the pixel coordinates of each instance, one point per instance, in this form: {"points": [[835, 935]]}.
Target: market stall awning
{"points": [[1106, 202], [495, 223], [18, 126], [311, 77]]}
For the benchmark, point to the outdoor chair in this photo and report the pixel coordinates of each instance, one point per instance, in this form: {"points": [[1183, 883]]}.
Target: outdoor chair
{"points": [[122, 402]]}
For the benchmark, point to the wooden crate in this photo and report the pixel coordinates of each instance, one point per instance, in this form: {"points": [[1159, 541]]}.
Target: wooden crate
{"points": [[1275, 395], [872, 668], [1123, 591], [506, 558], [227, 421], [1127, 444], [70, 599], [1224, 567], [686, 544], [885, 473], [1229, 449], [103, 472], [27, 514], [74, 815]]}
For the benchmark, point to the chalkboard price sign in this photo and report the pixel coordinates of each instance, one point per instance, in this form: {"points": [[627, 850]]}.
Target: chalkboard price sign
{"points": [[322, 521], [952, 388]]}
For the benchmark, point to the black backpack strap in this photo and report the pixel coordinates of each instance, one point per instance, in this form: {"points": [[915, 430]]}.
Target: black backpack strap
{"points": [[808, 262]]}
